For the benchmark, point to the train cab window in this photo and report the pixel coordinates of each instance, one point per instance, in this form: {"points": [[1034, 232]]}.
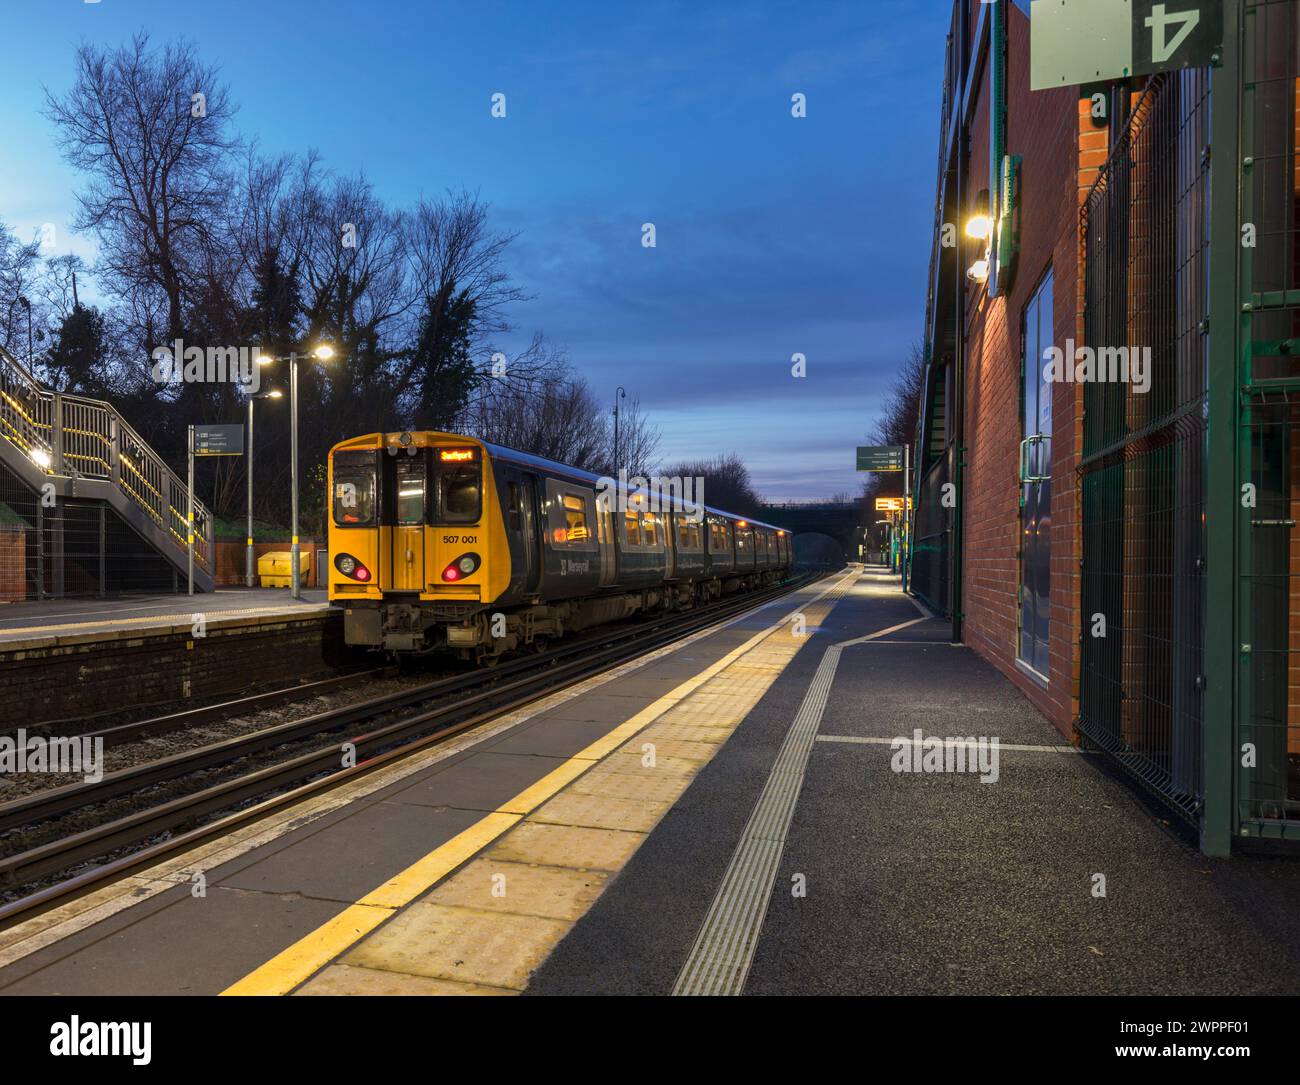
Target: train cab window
{"points": [[353, 499], [458, 475], [632, 527], [575, 519], [410, 491]]}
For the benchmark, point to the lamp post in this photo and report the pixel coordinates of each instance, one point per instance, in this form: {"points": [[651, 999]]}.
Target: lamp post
{"points": [[618, 394], [323, 353], [250, 563]]}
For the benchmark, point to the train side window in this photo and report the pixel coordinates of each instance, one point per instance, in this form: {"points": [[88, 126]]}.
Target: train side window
{"points": [[516, 518], [575, 519], [632, 528], [651, 527]]}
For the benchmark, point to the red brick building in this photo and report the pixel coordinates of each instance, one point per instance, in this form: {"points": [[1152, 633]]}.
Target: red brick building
{"points": [[1030, 300], [1126, 551]]}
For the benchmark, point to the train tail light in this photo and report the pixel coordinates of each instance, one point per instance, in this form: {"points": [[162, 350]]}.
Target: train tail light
{"points": [[350, 567], [461, 567]]}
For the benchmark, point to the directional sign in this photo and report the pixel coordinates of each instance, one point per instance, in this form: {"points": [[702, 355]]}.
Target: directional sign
{"points": [[1089, 41], [880, 458], [219, 440]]}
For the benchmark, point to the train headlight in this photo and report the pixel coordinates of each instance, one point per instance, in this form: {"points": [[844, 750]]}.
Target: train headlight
{"points": [[461, 567], [350, 567]]}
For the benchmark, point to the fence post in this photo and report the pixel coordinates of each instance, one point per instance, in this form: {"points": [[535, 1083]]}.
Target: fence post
{"points": [[1218, 821], [56, 435]]}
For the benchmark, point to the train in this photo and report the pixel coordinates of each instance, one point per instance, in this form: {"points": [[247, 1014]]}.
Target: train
{"points": [[444, 543]]}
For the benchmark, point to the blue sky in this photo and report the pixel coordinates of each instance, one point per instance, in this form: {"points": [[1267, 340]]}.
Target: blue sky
{"points": [[775, 235]]}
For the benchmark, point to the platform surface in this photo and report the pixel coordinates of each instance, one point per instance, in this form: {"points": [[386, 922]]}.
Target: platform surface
{"points": [[722, 816], [140, 614]]}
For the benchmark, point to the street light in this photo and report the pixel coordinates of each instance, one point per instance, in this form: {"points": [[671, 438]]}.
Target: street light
{"points": [[323, 352], [250, 564], [618, 394]]}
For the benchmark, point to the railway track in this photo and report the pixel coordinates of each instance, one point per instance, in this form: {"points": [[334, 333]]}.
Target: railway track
{"points": [[307, 759], [124, 733]]}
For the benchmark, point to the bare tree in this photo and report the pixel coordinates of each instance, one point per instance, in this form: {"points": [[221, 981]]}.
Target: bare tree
{"points": [[897, 425], [148, 129], [727, 482]]}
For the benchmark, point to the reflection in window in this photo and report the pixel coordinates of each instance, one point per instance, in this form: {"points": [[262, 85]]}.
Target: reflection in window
{"points": [[575, 519]]}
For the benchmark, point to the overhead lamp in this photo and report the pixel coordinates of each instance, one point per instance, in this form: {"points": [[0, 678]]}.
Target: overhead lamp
{"points": [[978, 272]]}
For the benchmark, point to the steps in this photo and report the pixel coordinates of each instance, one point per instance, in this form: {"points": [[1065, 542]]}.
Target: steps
{"points": [[79, 448]]}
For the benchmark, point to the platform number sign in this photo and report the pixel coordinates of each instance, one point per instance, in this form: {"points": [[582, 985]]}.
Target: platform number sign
{"points": [[1082, 42], [1175, 34]]}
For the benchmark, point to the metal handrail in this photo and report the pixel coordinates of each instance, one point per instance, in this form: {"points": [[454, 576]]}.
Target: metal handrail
{"points": [[72, 436]]}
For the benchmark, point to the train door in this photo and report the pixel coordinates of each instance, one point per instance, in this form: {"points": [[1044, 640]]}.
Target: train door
{"points": [[670, 543], [408, 523], [532, 541], [608, 551]]}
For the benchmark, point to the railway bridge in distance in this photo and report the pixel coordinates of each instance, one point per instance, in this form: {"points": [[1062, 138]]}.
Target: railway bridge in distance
{"points": [[819, 528]]}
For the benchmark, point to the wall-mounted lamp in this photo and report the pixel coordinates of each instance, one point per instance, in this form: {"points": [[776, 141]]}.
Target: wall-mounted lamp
{"points": [[980, 224]]}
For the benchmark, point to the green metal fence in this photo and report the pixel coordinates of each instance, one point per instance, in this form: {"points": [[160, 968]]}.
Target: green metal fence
{"points": [[1145, 231], [1267, 708]]}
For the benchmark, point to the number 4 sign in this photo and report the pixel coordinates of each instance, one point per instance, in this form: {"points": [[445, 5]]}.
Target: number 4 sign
{"points": [[1078, 42], [1172, 34]]}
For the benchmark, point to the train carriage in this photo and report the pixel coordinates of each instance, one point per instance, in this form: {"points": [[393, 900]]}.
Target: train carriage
{"points": [[443, 542]]}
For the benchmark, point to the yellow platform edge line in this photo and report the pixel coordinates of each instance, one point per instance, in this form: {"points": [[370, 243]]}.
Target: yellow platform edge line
{"points": [[297, 964]]}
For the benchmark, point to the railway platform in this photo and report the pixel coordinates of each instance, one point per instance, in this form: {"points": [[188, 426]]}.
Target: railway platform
{"points": [[759, 808], [32, 624], [71, 659]]}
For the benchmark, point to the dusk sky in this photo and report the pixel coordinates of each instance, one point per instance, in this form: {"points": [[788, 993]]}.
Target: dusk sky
{"points": [[775, 235]]}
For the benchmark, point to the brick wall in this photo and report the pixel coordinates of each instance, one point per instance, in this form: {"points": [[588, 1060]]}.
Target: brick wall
{"points": [[51, 680], [1059, 147]]}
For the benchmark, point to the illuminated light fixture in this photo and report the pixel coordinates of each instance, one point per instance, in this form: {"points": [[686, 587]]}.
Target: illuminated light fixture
{"points": [[462, 566], [274, 393], [41, 458], [265, 359], [324, 352], [980, 224], [350, 567], [978, 272], [456, 455], [742, 523]]}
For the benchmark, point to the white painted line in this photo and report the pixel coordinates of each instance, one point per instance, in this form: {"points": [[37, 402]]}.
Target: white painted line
{"points": [[925, 611], [955, 742], [720, 959]]}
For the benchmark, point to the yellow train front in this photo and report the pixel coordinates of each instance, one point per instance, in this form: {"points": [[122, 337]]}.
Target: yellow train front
{"points": [[443, 542]]}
